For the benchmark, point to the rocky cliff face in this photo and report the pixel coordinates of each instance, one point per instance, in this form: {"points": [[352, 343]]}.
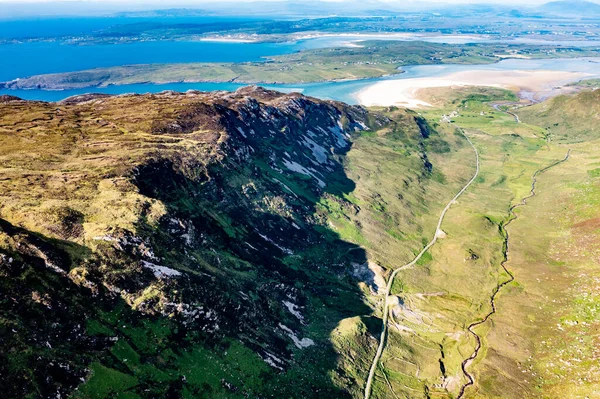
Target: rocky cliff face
{"points": [[169, 243]]}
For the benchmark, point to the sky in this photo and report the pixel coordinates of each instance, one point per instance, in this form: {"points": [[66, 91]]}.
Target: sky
{"points": [[15, 9], [170, 3]]}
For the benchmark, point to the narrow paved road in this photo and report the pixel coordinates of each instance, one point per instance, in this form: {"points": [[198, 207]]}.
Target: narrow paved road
{"points": [[515, 116], [383, 337], [497, 108], [513, 216]]}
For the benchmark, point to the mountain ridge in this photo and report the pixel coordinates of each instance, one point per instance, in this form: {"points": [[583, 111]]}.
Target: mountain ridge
{"points": [[192, 225], [578, 7]]}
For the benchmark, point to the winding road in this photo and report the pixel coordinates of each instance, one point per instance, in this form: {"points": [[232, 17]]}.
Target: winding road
{"points": [[437, 234], [513, 216], [497, 108]]}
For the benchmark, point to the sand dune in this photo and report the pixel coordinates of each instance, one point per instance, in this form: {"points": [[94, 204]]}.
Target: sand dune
{"points": [[405, 92]]}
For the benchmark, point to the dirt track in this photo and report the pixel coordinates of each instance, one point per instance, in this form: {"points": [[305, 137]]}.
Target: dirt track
{"points": [[437, 235]]}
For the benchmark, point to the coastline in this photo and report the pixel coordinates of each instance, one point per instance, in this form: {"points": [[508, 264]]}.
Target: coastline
{"points": [[391, 35], [535, 79], [406, 92], [219, 39]]}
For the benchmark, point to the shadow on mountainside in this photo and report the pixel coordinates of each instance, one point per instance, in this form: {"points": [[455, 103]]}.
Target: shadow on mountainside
{"points": [[234, 293], [45, 346], [282, 279]]}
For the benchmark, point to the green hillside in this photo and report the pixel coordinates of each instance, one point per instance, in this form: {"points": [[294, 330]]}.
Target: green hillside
{"points": [[205, 245], [567, 119]]}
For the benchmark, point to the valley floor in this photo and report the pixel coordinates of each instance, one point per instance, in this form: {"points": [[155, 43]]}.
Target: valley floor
{"points": [[543, 339], [252, 244]]}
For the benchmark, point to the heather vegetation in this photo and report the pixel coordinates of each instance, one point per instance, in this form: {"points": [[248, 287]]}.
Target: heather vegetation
{"points": [[205, 244]]}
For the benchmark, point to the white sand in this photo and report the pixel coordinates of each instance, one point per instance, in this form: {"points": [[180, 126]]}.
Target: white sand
{"points": [[223, 39], [405, 92], [517, 56], [391, 36]]}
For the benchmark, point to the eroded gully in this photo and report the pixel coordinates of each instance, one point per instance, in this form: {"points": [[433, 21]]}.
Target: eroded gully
{"points": [[512, 216]]}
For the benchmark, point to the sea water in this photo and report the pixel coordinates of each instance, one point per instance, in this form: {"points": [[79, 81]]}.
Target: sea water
{"points": [[22, 57]]}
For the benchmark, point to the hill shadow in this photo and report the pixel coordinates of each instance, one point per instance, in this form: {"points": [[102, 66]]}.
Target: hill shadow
{"points": [[258, 282], [280, 279]]}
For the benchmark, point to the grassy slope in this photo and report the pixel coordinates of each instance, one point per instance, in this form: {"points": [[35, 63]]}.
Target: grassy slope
{"points": [[544, 340], [66, 178], [567, 119], [451, 289], [586, 83], [398, 214], [389, 212], [445, 293]]}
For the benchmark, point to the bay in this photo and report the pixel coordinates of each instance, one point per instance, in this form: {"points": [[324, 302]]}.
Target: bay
{"points": [[341, 91]]}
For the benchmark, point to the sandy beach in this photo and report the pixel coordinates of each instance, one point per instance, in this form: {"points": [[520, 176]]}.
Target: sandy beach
{"points": [[405, 92], [391, 36], [225, 39]]}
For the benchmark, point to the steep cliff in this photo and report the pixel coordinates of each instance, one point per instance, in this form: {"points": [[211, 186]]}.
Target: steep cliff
{"points": [[173, 245]]}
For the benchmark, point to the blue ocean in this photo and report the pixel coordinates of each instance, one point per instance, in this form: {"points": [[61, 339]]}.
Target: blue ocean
{"points": [[20, 56]]}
